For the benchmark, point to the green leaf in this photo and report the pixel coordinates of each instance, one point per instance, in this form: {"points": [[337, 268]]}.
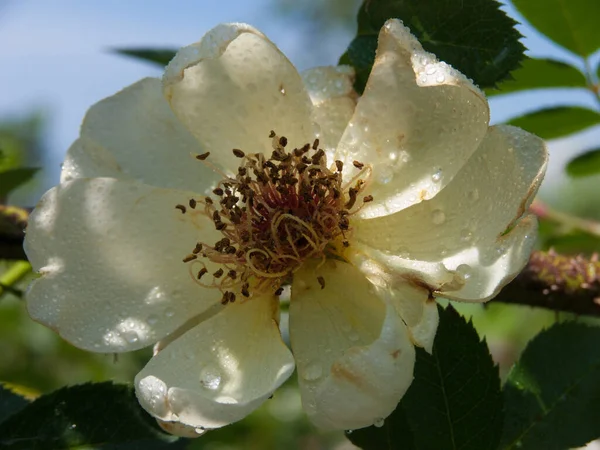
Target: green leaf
{"points": [[10, 402], [541, 73], [13, 178], [585, 164], [556, 122], [474, 36], [153, 55], [552, 393], [455, 400], [572, 24], [361, 55], [84, 415], [395, 433]]}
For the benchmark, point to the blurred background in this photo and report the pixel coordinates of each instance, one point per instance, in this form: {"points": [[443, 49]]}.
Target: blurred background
{"points": [[58, 58]]}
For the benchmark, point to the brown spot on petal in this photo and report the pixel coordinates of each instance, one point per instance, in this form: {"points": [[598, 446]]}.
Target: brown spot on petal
{"points": [[396, 353]]}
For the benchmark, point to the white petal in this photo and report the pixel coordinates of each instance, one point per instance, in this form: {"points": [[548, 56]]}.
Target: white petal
{"points": [[334, 100], [134, 134], [417, 123], [232, 88], [466, 223], [423, 333], [219, 371], [110, 255], [353, 352]]}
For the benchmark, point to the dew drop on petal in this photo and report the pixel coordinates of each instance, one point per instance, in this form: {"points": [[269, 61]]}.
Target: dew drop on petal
{"points": [[210, 378], [130, 336], [438, 217], [437, 175], [440, 78], [466, 235], [384, 175], [152, 319], [313, 371], [464, 270], [379, 423], [169, 312]]}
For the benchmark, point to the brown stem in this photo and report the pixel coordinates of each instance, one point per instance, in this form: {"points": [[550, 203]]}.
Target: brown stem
{"points": [[557, 282]]}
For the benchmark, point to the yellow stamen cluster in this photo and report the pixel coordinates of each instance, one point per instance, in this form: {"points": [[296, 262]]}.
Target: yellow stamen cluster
{"points": [[274, 214]]}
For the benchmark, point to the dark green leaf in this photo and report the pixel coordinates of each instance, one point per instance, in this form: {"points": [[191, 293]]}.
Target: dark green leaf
{"points": [[455, 400], [474, 36], [153, 55], [556, 122], [585, 164], [13, 178], [572, 24], [541, 73], [84, 415], [360, 55], [552, 393], [10, 403], [395, 433]]}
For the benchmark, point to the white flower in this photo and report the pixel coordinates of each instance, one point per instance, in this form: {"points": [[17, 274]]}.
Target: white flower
{"points": [[413, 197]]}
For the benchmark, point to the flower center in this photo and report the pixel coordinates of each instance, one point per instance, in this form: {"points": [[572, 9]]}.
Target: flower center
{"points": [[274, 214]]}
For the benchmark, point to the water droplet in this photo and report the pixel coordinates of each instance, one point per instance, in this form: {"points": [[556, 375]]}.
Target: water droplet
{"points": [[152, 319], [282, 90], [423, 79], [349, 431], [440, 78], [443, 250], [437, 175], [130, 336], [430, 69], [210, 378], [464, 270], [379, 423], [474, 195], [466, 235], [438, 217], [200, 430], [384, 175], [169, 312], [312, 372]]}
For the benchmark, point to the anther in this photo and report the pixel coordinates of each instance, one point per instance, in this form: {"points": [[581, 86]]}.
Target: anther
{"points": [[283, 141], [244, 290], [181, 208], [218, 273], [232, 274], [346, 244], [201, 272], [197, 249], [208, 201], [278, 292], [368, 198], [203, 156], [192, 203], [358, 164], [271, 134], [321, 281], [339, 165], [189, 258], [237, 152], [315, 144], [218, 191]]}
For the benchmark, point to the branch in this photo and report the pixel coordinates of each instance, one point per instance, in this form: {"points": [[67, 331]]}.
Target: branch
{"points": [[557, 282]]}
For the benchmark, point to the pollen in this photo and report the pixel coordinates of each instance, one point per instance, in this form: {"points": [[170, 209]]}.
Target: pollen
{"points": [[274, 214]]}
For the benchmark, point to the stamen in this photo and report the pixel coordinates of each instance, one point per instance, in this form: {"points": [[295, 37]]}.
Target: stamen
{"points": [[203, 156], [181, 208]]}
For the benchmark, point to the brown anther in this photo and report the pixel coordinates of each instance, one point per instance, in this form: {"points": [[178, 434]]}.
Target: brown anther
{"points": [[201, 272], [189, 258], [315, 144], [244, 290], [321, 281], [271, 134], [278, 292], [352, 198], [283, 141], [232, 274], [218, 273], [368, 198], [346, 244], [216, 216], [203, 156], [181, 208], [230, 250], [317, 156], [358, 164], [339, 165], [237, 152], [192, 203], [226, 297], [197, 249], [242, 171], [220, 226], [218, 191], [208, 200]]}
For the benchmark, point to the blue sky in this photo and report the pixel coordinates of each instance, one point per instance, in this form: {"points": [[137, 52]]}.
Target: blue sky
{"points": [[55, 57]]}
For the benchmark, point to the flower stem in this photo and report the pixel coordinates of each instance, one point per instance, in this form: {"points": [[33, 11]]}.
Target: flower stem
{"points": [[14, 274]]}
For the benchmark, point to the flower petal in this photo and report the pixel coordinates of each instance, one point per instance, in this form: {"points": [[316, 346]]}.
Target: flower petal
{"points": [[423, 333], [353, 352], [110, 255], [417, 123], [219, 371], [134, 134], [232, 88], [474, 220], [334, 100]]}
